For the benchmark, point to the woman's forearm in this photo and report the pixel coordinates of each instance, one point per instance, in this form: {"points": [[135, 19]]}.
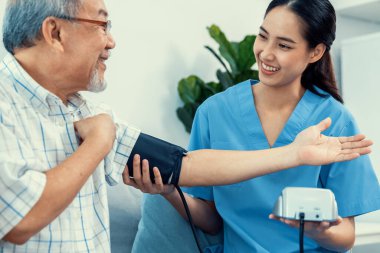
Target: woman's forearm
{"points": [[203, 213], [219, 167]]}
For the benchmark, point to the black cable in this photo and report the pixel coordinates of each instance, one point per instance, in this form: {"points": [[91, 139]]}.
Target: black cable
{"points": [[302, 226], [189, 216]]}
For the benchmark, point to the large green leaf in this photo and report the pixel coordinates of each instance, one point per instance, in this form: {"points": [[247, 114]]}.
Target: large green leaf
{"points": [[225, 47], [224, 79], [246, 57], [210, 89], [247, 74], [189, 89], [239, 56], [186, 114], [214, 87], [212, 51]]}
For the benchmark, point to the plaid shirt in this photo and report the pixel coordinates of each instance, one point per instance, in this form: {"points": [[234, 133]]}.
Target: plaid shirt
{"points": [[37, 134]]}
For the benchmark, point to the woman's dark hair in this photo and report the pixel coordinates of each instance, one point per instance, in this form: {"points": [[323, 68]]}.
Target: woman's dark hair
{"points": [[318, 18]]}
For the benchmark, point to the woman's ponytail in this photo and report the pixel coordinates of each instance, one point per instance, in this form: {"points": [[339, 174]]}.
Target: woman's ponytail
{"points": [[321, 74]]}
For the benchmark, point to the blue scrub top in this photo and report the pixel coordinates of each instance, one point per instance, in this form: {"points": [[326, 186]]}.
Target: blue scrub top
{"points": [[229, 121]]}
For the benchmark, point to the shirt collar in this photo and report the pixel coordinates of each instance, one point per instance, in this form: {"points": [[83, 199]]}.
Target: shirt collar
{"points": [[43, 100]]}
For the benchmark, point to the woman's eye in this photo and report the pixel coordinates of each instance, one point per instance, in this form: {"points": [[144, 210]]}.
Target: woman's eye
{"points": [[284, 46], [262, 36]]}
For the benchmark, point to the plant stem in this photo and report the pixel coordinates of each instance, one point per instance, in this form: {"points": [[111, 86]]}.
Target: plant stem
{"points": [[220, 60]]}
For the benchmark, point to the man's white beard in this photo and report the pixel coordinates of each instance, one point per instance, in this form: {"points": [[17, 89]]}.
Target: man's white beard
{"points": [[96, 84]]}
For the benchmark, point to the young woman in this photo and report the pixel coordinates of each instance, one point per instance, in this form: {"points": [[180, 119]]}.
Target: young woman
{"points": [[296, 89]]}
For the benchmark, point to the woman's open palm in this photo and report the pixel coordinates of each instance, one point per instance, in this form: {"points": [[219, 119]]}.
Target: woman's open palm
{"points": [[316, 148]]}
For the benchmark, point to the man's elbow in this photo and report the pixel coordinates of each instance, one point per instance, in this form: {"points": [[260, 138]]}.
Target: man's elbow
{"points": [[17, 236]]}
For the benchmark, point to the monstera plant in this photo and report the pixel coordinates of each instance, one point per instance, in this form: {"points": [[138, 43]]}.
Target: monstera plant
{"points": [[240, 59]]}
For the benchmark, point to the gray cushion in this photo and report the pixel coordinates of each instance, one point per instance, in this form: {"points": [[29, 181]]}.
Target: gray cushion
{"points": [[125, 206]]}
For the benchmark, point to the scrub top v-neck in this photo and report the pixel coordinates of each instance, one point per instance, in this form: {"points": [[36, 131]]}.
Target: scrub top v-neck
{"points": [[293, 125]]}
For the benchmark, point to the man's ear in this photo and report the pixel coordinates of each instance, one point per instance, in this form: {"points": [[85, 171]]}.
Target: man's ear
{"points": [[51, 33], [317, 53]]}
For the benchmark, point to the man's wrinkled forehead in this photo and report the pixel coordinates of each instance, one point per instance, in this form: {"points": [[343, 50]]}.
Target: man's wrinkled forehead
{"points": [[94, 8]]}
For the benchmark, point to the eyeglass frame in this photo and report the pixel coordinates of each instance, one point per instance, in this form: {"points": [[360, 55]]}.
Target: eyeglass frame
{"points": [[106, 24]]}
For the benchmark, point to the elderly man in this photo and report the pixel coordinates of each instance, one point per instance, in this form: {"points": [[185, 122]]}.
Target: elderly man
{"points": [[52, 187], [57, 152]]}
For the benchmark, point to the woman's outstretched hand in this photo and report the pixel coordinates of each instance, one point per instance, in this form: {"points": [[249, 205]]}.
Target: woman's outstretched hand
{"points": [[315, 148]]}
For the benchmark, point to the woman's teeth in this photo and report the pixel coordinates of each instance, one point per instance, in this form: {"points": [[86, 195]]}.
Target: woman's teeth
{"points": [[269, 68]]}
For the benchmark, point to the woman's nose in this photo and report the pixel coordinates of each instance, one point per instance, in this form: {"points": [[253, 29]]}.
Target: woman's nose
{"points": [[267, 53]]}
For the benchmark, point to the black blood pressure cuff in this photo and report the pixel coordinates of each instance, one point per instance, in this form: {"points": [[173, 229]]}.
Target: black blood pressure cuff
{"points": [[165, 156]]}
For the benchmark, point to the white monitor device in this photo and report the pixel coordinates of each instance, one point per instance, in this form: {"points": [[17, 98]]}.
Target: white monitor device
{"points": [[316, 204]]}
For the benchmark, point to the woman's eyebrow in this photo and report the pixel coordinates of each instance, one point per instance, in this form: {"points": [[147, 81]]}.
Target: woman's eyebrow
{"points": [[279, 37]]}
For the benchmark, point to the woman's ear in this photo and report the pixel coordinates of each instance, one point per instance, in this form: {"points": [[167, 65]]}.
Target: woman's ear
{"points": [[51, 33], [317, 53]]}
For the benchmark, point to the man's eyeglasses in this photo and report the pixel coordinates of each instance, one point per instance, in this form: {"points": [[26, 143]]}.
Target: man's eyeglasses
{"points": [[105, 24]]}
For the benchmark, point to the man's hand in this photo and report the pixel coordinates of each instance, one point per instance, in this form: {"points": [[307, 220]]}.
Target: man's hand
{"points": [[64, 181], [100, 127], [314, 148], [141, 178]]}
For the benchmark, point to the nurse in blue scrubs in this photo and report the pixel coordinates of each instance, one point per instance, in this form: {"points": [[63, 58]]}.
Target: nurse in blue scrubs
{"points": [[296, 89]]}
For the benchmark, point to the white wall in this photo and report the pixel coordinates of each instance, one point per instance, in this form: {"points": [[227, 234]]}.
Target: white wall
{"points": [[349, 28], [2, 50], [361, 92], [360, 65], [160, 42], [341, 4]]}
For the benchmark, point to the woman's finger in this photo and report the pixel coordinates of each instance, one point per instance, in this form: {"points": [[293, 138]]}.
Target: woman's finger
{"points": [[346, 157], [137, 171], [357, 144], [145, 172], [125, 174], [127, 180], [324, 124], [358, 137], [158, 180], [361, 151]]}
